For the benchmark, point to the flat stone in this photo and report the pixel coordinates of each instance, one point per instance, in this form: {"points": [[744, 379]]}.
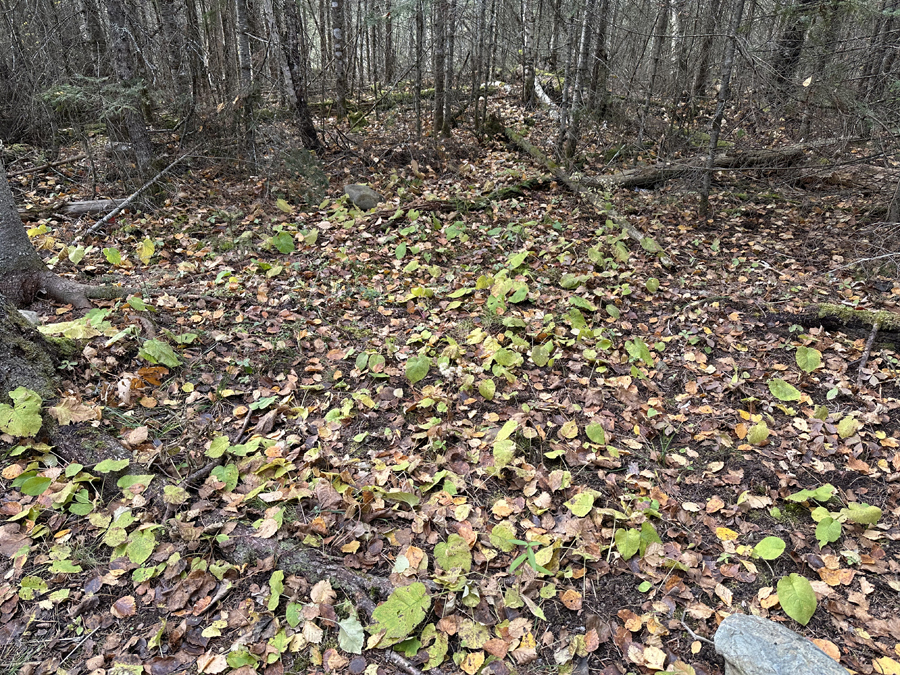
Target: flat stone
{"points": [[362, 197], [751, 645]]}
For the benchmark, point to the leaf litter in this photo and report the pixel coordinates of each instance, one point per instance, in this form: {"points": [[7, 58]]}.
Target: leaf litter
{"points": [[486, 440]]}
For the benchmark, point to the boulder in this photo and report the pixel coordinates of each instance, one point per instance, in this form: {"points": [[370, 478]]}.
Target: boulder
{"points": [[754, 646], [362, 197]]}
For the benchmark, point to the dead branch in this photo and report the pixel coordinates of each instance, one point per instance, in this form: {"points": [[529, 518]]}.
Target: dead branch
{"points": [[48, 165], [587, 195]]}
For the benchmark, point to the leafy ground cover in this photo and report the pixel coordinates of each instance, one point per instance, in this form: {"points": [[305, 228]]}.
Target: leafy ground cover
{"points": [[497, 439]]}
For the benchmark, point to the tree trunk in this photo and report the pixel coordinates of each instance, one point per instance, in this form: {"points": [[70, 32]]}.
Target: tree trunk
{"points": [[790, 45], [27, 359], [701, 75], [388, 43], [123, 59], [528, 95], [295, 44], [724, 94], [420, 62], [573, 130], [340, 58], [23, 273], [439, 69]]}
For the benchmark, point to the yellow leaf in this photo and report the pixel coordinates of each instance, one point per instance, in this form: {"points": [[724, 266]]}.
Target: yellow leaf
{"points": [[725, 534], [886, 666], [569, 429], [472, 663]]}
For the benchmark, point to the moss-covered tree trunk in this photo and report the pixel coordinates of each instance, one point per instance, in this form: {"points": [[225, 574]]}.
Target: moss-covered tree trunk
{"points": [[27, 359]]}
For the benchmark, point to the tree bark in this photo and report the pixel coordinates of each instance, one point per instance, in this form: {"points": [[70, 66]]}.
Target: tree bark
{"points": [[23, 273], [719, 115], [295, 43], [340, 58], [123, 59]]}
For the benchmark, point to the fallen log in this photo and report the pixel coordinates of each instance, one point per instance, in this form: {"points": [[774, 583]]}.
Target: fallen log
{"points": [[74, 209], [48, 165], [856, 323], [759, 160], [586, 195]]}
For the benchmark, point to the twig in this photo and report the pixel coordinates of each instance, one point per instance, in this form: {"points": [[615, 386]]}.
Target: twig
{"points": [[48, 165], [865, 355], [402, 663], [78, 646], [694, 635], [112, 214]]}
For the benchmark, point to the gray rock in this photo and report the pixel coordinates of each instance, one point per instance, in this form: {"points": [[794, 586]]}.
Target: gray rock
{"points": [[754, 646], [33, 317], [362, 197]]}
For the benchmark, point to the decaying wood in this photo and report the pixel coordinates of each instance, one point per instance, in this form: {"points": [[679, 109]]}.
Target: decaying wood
{"points": [[866, 352], [74, 209], [854, 322], [760, 160], [651, 176], [46, 166], [588, 196]]}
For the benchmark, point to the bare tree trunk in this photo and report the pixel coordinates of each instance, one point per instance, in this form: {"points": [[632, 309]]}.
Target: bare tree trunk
{"points": [[295, 44], [420, 59], [600, 73], [701, 75], [340, 58], [790, 45], [577, 109], [528, 95], [123, 59], [389, 43], [439, 69], [448, 77], [659, 39], [724, 94]]}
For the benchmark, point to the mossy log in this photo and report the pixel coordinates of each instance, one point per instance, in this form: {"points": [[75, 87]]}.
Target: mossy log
{"points": [[854, 322]]}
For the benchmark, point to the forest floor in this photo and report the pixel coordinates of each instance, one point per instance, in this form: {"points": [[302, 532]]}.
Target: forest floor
{"points": [[499, 440]]}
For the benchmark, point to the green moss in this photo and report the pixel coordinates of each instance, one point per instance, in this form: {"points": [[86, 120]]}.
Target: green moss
{"points": [[886, 320]]}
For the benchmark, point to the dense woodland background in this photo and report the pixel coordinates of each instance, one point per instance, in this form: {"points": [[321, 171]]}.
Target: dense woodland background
{"points": [[613, 358]]}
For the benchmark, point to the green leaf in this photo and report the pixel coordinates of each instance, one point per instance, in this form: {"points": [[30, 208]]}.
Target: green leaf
{"points": [[111, 465], [507, 358], [783, 391], [758, 433], [648, 536], [613, 311], [847, 427], [23, 417], [453, 553], [581, 504], [351, 636], [283, 206], [400, 614], [862, 514], [827, 531], [797, 598], [644, 586], [769, 548], [34, 486], [578, 301], [808, 359], [821, 494], [113, 257], [652, 284], [276, 588], [487, 388], [517, 259], [628, 542], [400, 250], [141, 546], [639, 351], [155, 351], [417, 368], [540, 354], [503, 537], [293, 614], [284, 242], [126, 482], [596, 433]]}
